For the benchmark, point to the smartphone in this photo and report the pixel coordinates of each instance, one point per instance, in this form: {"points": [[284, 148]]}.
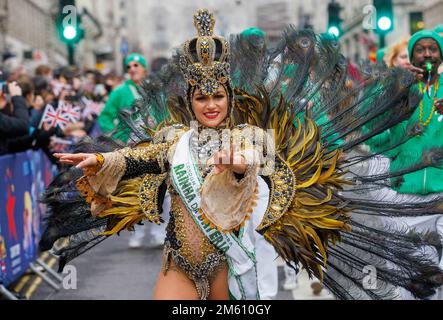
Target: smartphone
{"points": [[4, 87]]}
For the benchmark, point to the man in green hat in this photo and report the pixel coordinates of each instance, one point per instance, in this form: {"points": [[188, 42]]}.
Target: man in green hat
{"points": [[109, 120], [122, 97], [425, 51]]}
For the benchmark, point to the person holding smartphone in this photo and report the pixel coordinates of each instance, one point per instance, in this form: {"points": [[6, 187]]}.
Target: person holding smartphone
{"points": [[14, 116]]}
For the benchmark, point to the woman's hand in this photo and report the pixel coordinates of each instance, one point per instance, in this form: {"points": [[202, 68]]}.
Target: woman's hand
{"points": [[228, 159], [80, 160]]}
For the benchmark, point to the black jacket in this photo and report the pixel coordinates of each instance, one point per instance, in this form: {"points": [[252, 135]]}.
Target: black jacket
{"points": [[15, 125]]}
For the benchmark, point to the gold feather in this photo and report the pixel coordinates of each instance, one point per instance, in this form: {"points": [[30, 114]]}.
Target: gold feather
{"points": [[313, 221]]}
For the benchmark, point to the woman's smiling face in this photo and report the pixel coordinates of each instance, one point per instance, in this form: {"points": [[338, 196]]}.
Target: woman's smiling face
{"points": [[210, 111]]}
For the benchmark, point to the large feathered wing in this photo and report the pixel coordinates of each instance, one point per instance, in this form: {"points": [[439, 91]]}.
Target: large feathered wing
{"points": [[322, 115]]}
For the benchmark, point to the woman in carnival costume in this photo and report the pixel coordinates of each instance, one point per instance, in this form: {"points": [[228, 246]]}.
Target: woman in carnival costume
{"points": [[245, 170]]}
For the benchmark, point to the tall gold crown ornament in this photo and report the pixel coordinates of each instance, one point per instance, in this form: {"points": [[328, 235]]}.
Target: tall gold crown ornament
{"points": [[204, 60]]}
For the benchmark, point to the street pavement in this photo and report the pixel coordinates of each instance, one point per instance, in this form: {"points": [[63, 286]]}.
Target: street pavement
{"points": [[111, 271]]}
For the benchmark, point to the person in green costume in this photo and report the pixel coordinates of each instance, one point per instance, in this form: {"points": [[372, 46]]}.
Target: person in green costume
{"points": [[122, 97], [424, 47], [110, 122]]}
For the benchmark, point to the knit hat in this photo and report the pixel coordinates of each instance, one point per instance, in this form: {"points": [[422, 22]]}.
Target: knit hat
{"points": [[135, 57], [422, 35], [253, 31], [439, 28]]}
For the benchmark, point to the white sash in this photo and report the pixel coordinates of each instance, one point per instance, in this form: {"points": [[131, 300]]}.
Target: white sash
{"points": [[239, 250]]}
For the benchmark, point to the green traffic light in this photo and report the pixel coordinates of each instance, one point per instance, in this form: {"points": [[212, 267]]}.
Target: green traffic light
{"points": [[69, 32], [334, 20], [385, 16], [333, 30], [384, 23]]}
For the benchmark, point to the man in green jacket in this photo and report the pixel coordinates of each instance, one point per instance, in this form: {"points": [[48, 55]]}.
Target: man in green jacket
{"points": [[109, 120], [424, 47], [122, 97]]}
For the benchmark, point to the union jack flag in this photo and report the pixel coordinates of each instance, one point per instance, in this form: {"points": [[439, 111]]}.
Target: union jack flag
{"points": [[91, 107], [55, 118], [73, 113]]}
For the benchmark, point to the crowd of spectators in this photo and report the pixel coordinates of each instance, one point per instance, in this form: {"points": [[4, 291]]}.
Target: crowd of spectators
{"points": [[24, 98]]}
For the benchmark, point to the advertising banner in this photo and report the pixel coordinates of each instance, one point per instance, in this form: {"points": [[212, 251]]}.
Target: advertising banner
{"points": [[23, 177]]}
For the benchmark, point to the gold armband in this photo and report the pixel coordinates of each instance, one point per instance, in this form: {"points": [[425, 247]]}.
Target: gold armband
{"points": [[93, 170]]}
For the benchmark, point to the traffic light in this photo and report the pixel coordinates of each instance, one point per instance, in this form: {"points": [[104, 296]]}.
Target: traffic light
{"points": [[72, 34], [69, 27], [70, 31], [334, 20], [385, 16], [416, 22], [69, 22]]}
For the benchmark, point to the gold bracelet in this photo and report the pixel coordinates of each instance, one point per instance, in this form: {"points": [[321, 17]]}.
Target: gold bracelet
{"points": [[100, 160], [93, 170]]}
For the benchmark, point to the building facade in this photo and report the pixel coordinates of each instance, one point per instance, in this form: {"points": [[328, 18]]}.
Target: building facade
{"points": [[28, 33], [154, 28], [360, 37], [106, 51]]}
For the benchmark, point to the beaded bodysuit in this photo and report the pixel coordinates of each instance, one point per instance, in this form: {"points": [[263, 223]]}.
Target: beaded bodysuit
{"points": [[191, 251]]}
